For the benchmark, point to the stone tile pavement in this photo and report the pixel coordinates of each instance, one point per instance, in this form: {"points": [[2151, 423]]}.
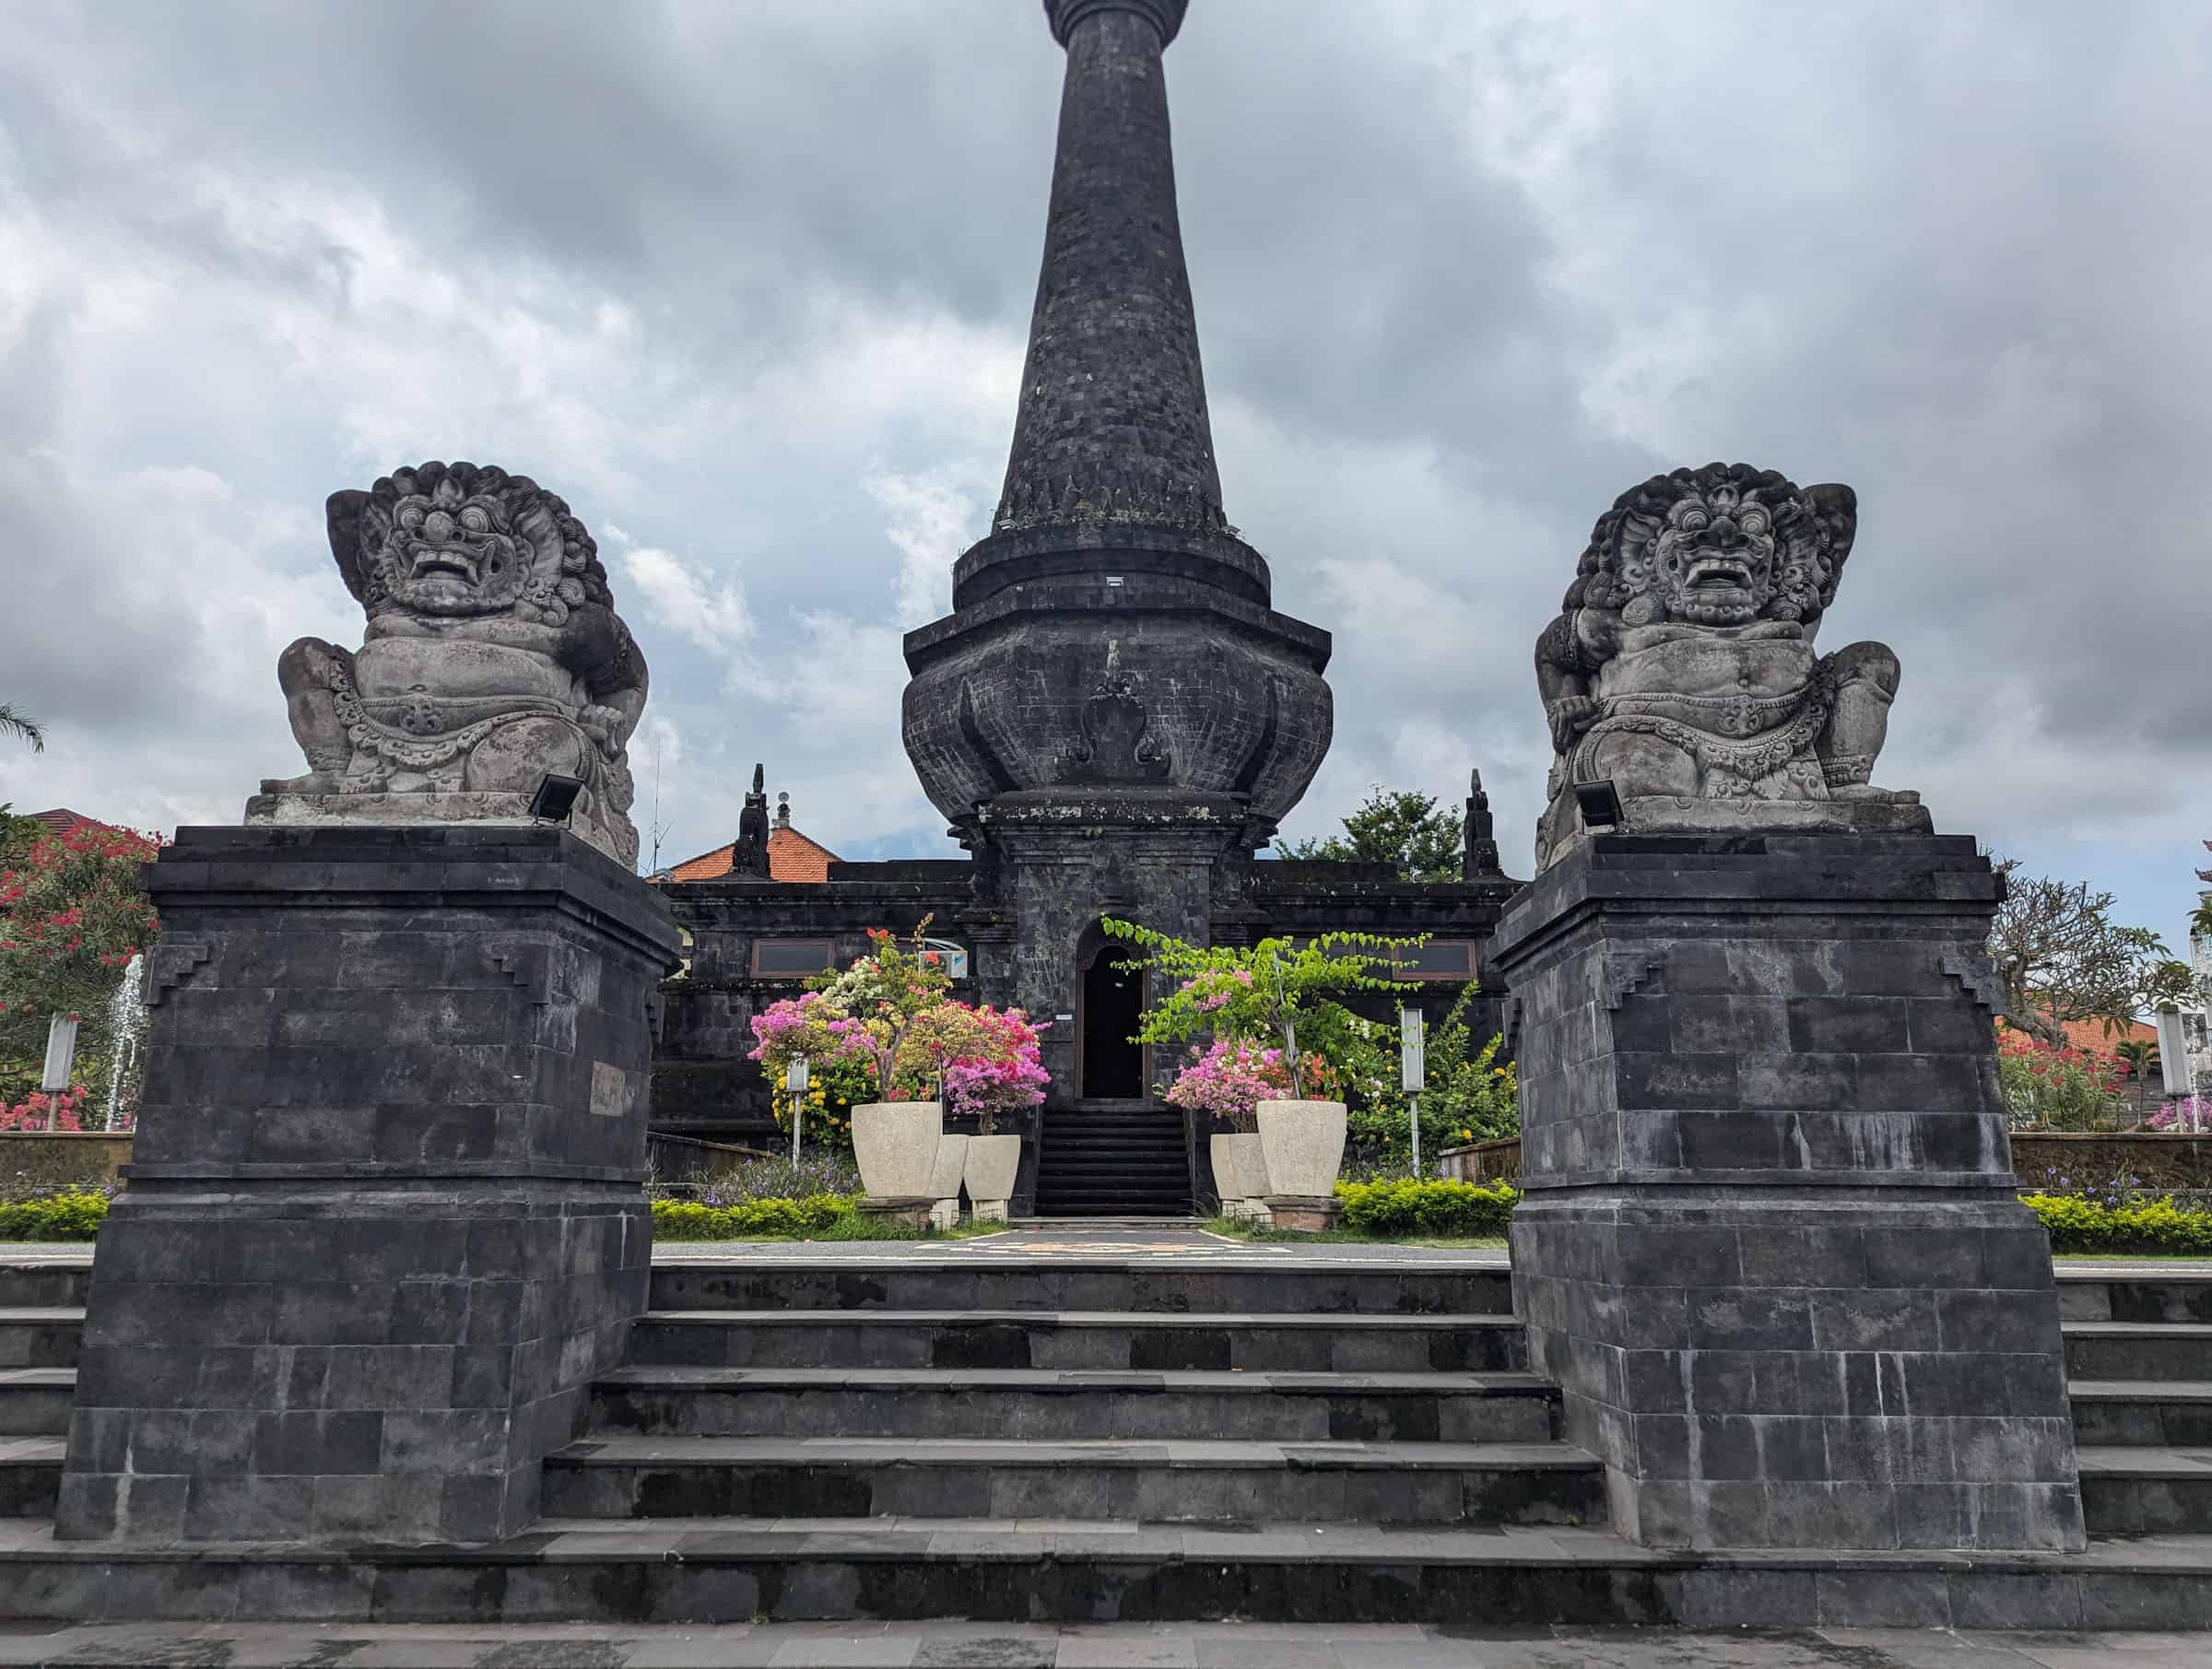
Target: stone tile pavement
{"points": [[1018, 1646]]}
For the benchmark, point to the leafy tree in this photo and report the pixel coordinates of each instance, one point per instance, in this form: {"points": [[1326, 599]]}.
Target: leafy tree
{"points": [[2138, 1052], [2062, 958], [22, 727], [1423, 840], [18, 835], [73, 913], [1470, 1096], [1277, 991]]}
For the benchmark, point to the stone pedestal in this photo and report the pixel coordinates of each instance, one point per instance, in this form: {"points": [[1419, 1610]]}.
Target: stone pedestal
{"points": [[1771, 1246], [385, 1219]]}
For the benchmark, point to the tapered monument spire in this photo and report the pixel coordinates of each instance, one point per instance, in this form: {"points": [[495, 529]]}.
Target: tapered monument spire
{"points": [[1111, 633], [1113, 424]]}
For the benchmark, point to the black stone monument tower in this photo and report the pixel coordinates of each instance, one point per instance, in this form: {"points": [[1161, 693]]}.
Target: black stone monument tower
{"points": [[1113, 717]]}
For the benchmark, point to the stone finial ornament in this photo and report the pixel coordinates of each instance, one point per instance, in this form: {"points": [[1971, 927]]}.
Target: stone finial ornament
{"points": [[493, 656], [1681, 666], [749, 852]]}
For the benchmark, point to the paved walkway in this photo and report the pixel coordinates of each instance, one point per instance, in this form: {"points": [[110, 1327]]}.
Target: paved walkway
{"points": [[1018, 1646], [1166, 1241]]}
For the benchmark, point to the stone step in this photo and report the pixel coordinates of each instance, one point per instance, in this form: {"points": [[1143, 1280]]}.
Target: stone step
{"points": [[687, 1571], [33, 1285], [2145, 1491], [1237, 1284], [1145, 1342], [1102, 1478], [1116, 1173], [2138, 1350], [34, 1402], [30, 1475], [2142, 1413], [2151, 1296], [955, 1403], [43, 1336]]}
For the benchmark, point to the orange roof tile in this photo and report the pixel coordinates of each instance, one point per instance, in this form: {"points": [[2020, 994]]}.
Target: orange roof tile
{"points": [[791, 857], [60, 821], [2091, 1038]]}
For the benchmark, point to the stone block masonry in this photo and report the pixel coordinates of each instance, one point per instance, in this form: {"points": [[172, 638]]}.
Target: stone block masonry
{"points": [[385, 1220], [1769, 1245]]}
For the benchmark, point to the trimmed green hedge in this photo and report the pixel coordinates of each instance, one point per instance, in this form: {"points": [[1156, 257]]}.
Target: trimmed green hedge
{"points": [[689, 1220], [71, 1215], [2079, 1225], [1441, 1209]]}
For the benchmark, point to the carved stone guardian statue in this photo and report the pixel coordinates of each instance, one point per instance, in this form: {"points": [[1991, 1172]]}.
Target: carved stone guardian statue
{"points": [[1681, 666], [493, 656]]}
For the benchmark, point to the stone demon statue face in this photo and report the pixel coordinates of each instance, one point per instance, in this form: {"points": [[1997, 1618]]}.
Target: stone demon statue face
{"points": [[458, 540], [1722, 546]]}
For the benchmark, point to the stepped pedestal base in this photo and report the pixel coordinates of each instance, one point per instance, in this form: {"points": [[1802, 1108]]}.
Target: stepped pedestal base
{"points": [[385, 1220], [1770, 1246]]}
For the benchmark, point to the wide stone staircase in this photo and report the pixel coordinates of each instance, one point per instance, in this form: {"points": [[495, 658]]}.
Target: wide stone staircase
{"points": [[1113, 1158], [2140, 1373], [1010, 1399], [1111, 1438]]}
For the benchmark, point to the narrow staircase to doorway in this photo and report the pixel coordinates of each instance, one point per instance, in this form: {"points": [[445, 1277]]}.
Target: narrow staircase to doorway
{"points": [[1101, 1158]]}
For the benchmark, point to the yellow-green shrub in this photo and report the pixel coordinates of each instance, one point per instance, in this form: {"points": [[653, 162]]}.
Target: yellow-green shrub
{"points": [[2080, 1225], [1445, 1209], [69, 1216], [689, 1220]]}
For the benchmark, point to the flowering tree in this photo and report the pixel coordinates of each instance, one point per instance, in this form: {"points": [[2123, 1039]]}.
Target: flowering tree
{"points": [[2063, 957], [885, 992], [73, 914], [1271, 991], [985, 1060], [2049, 1087], [891, 1010]]}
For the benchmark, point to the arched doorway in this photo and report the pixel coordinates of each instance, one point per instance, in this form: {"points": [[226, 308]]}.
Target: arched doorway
{"points": [[1109, 1008]]}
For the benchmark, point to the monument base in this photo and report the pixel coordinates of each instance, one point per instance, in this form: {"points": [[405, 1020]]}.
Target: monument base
{"points": [[1770, 1243], [385, 1220]]}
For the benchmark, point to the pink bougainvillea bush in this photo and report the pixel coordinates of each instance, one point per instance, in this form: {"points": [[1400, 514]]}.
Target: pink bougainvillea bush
{"points": [[1233, 1076], [990, 1061], [891, 1011]]}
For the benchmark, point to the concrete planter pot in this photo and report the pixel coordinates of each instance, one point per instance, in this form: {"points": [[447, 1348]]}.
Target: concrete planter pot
{"points": [[945, 1180], [1238, 1174], [1302, 1146], [992, 1162], [896, 1144]]}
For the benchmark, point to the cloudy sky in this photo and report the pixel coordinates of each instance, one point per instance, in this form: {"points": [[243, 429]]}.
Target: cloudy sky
{"points": [[748, 283]]}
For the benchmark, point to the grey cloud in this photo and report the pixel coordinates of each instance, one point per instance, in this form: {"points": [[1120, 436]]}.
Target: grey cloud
{"points": [[1464, 273]]}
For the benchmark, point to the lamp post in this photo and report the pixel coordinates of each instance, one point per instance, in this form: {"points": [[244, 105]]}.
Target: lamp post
{"points": [[1413, 1070], [61, 1060], [794, 1083]]}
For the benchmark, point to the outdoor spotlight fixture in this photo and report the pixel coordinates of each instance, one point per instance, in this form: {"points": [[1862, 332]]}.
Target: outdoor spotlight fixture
{"points": [[556, 797], [1599, 803]]}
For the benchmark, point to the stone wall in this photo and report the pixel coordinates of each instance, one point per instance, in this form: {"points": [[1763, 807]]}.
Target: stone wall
{"points": [[35, 1159], [1482, 1162]]}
